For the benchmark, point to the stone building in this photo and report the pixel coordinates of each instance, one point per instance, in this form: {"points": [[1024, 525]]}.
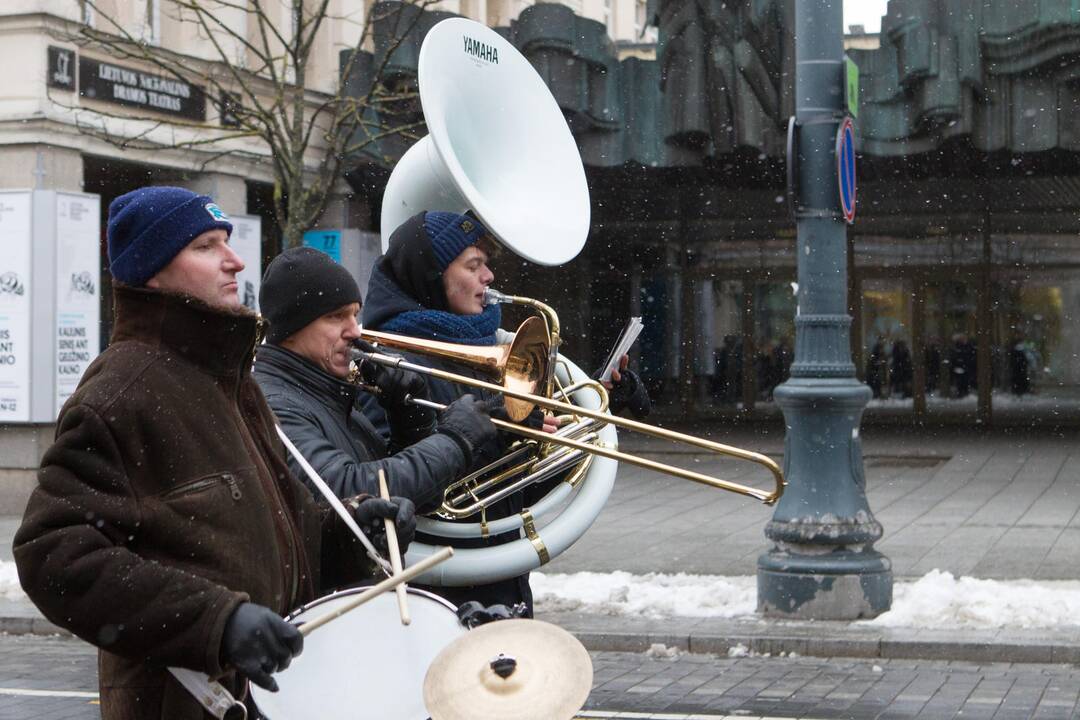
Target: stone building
{"points": [[965, 253], [57, 90], [964, 260]]}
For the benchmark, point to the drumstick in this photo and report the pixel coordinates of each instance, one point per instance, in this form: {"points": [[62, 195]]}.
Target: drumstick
{"points": [[391, 582], [395, 553], [333, 501]]}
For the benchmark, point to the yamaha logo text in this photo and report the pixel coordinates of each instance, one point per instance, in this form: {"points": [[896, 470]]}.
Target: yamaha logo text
{"points": [[481, 51]]}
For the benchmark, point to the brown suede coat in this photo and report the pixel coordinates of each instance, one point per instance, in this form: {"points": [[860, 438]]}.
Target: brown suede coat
{"points": [[165, 502]]}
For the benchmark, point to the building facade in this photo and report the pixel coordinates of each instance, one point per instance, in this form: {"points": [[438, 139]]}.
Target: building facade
{"points": [[964, 258], [84, 121]]}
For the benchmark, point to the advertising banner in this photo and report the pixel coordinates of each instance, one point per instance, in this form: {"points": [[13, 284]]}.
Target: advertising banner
{"points": [[78, 289], [15, 290], [246, 240]]}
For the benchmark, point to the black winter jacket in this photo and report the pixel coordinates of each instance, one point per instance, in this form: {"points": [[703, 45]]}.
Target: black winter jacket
{"points": [[321, 416]]}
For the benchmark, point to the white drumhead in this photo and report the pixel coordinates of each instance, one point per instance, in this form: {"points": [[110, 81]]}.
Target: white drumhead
{"points": [[365, 664]]}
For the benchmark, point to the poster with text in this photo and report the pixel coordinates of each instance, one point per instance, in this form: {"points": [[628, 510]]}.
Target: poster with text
{"points": [[246, 240], [15, 289], [78, 289]]}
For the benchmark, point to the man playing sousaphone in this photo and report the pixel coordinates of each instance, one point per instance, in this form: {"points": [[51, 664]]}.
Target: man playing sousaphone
{"points": [[430, 284], [166, 528]]}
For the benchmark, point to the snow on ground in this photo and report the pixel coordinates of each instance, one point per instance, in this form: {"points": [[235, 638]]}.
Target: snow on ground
{"points": [[653, 595], [939, 600], [936, 600], [9, 582]]}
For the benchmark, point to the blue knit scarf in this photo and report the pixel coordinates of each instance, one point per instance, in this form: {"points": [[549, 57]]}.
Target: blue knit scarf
{"points": [[447, 326]]}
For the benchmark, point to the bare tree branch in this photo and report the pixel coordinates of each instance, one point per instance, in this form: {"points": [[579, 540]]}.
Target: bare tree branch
{"points": [[260, 69]]}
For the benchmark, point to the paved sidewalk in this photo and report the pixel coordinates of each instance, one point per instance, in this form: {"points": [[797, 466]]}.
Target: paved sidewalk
{"points": [[704, 687], [46, 678], [1001, 506]]}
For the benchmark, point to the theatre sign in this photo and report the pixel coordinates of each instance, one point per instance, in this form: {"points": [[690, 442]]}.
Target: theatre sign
{"points": [[108, 82]]}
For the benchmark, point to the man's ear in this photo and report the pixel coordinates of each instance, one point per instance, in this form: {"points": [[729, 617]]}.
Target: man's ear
{"points": [[153, 283]]}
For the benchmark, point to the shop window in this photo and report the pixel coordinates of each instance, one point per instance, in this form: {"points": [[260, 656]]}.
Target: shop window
{"points": [[724, 337], [889, 367], [951, 354], [658, 360], [1035, 342], [774, 336]]}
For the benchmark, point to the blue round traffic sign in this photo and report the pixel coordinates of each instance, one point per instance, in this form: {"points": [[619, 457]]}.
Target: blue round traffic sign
{"points": [[845, 168]]}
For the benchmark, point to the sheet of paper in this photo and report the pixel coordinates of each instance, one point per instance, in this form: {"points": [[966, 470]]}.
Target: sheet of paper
{"points": [[622, 345]]}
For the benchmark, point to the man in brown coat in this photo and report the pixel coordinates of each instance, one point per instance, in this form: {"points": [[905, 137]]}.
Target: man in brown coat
{"points": [[166, 527]]}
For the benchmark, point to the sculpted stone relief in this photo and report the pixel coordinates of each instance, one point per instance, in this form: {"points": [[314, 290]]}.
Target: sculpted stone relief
{"points": [[724, 68]]}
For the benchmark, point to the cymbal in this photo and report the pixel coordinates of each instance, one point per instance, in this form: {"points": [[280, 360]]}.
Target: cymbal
{"points": [[520, 669]]}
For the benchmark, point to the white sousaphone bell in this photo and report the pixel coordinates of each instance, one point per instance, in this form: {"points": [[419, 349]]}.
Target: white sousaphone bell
{"points": [[499, 146]]}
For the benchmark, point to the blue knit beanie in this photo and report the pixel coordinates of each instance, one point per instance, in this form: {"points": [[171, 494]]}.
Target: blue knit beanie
{"points": [[451, 233], [148, 227]]}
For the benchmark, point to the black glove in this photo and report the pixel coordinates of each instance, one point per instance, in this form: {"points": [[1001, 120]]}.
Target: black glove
{"points": [[257, 642], [473, 613], [628, 394], [369, 512], [393, 386], [466, 422], [497, 409]]}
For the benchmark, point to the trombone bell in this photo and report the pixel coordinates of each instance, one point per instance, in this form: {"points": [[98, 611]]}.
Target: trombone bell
{"points": [[520, 367]]}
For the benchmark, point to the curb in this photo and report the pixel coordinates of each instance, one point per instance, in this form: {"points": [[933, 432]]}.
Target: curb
{"points": [[977, 647], [971, 651], [28, 625], [821, 639]]}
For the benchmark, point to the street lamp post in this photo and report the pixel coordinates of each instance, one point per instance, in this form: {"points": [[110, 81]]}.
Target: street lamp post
{"points": [[822, 564]]}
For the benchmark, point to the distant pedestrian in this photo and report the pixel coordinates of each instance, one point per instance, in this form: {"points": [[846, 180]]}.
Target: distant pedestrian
{"points": [[876, 367], [1019, 367], [962, 362], [933, 366], [902, 370]]}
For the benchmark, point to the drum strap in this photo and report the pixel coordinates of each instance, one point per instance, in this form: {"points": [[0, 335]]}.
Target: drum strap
{"points": [[212, 695]]}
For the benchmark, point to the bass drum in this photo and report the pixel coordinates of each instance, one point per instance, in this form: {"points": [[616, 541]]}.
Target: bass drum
{"points": [[364, 665]]}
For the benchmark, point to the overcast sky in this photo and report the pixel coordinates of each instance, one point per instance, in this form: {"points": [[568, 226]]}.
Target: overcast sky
{"points": [[864, 12]]}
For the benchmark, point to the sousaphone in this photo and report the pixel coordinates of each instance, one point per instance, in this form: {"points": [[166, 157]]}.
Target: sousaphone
{"points": [[499, 146]]}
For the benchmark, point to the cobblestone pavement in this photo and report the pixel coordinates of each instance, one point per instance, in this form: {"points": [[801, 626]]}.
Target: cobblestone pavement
{"points": [[55, 678], [820, 688]]}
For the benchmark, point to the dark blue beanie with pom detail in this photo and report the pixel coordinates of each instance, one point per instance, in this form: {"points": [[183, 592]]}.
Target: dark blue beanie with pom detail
{"points": [[450, 234], [148, 227]]}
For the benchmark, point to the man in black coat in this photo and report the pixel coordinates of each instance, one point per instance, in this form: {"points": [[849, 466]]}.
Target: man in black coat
{"points": [[303, 369]]}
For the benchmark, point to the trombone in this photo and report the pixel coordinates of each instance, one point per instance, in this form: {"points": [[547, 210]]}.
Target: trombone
{"points": [[522, 367]]}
